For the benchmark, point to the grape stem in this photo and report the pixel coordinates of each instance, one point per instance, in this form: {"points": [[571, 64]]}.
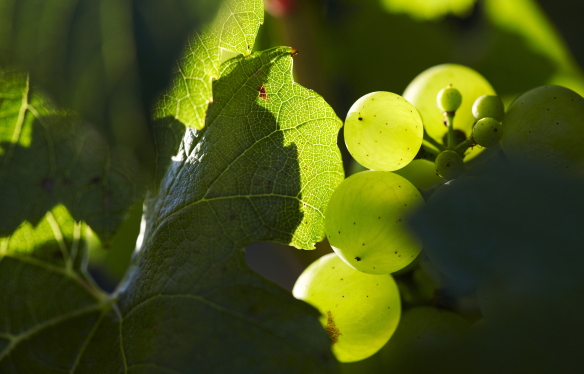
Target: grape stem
{"points": [[431, 150], [449, 117], [432, 141], [462, 147]]}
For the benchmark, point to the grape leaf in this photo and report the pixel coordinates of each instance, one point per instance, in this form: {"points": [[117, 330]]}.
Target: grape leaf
{"points": [[105, 60], [263, 168], [49, 156]]}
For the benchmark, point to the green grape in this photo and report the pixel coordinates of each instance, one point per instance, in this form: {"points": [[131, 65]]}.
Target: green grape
{"points": [[365, 221], [449, 99], [546, 126], [383, 131], [422, 91], [487, 132], [421, 173], [359, 311], [449, 165], [422, 331], [488, 106]]}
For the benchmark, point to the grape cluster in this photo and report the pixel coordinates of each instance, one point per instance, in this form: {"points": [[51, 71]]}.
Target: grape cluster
{"points": [[416, 142]]}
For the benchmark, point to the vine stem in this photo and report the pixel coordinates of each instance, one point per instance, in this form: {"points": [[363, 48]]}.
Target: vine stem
{"points": [[433, 141], [449, 117], [462, 147], [431, 150]]}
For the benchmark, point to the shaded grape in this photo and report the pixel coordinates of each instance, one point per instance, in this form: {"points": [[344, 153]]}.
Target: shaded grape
{"points": [[365, 221]]}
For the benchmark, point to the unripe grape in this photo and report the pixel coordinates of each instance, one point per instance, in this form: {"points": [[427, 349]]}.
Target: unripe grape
{"points": [[449, 99], [449, 165], [359, 311], [365, 221], [383, 131], [487, 132], [488, 106]]}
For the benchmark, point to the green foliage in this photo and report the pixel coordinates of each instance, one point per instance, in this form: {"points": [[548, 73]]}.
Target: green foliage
{"points": [[263, 168], [49, 156]]}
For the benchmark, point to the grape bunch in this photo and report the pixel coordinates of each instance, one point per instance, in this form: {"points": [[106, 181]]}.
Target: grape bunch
{"points": [[419, 142]]}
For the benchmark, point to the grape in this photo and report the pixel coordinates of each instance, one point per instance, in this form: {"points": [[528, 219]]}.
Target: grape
{"points": [[487, 132], [422, 331], [383, 131], [421, 173], [546, 126], [449, 165], [359, 311], [365, 221], [448, 99], [422, 91], [488, 106]]}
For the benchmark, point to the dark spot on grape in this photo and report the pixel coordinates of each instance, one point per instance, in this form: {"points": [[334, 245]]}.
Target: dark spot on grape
{"points": [[399, 256], [405, 204], [353, 223], [363, 243], [378, 217], [548, 108], [448, 165], [360, 119], [343, 295], [341, 278], [375, 115], [400, 186], [358, 258], [367, 295], [339, 232], [400, 219], [396, 252], [495, 130]]}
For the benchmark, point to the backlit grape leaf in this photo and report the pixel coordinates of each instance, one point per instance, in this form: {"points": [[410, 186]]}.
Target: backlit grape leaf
{"points": [[234, 30], [49, 156], [263, 168]]}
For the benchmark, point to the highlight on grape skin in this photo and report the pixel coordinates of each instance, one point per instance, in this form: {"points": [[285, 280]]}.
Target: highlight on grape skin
{"points": [[359, 311], [383, 131], [365, 222], [489, 106], [487, 132], [449, 165]]}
